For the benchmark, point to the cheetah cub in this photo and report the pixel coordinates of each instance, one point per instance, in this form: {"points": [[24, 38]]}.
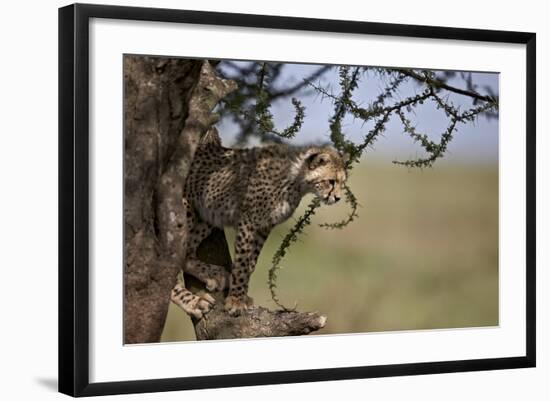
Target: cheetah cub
{"points": [[251, 190]]}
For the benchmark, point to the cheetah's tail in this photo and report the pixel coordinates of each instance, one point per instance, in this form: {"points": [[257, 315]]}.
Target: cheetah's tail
{"points": [[211, 137]]}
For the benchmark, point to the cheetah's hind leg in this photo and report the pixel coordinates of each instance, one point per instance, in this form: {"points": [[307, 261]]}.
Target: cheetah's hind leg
{"points": [[215, 277], [194, 305]]}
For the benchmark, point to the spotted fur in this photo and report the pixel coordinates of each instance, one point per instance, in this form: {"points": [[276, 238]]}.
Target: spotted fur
{"points": [[251, 190]]}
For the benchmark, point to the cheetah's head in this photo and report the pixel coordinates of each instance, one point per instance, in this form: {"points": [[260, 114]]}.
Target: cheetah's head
{"points": [[325, 174]]}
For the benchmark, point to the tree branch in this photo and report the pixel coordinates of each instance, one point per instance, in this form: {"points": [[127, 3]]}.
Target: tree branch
{"points": [[435, 83], [171, 216]]}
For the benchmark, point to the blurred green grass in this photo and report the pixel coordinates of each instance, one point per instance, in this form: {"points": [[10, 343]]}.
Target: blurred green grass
{"points": [[422, 255]]}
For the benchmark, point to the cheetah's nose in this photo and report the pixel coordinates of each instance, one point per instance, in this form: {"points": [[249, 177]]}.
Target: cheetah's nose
{"points": [[336, 199]]}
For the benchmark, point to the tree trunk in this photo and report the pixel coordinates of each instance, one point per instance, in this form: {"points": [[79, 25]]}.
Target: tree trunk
{"points": [[168, 106]]}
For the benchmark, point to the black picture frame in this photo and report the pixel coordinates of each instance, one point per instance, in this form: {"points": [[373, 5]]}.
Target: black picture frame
{"points": [[74, 198]]}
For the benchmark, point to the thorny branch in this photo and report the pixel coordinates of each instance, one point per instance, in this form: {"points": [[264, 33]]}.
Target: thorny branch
{"points": [[241, 105], [429, 79]]}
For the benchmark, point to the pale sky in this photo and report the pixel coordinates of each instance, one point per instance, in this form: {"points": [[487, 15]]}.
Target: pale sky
{"points": [[473, 142]]}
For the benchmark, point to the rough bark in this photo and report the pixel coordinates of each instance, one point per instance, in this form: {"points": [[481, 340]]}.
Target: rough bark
{"points": [[168, 107], [157, 93]]}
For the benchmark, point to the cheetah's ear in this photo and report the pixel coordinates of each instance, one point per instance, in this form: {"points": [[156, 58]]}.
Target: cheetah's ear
{"points": [[317, 159]]}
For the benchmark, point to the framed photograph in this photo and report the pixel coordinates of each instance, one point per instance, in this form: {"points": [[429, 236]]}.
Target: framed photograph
{"points": [[251, 199]]}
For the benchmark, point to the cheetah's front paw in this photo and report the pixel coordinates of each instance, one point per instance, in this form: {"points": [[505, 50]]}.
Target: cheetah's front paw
{"points": [[194, 305], [236, 305]]}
